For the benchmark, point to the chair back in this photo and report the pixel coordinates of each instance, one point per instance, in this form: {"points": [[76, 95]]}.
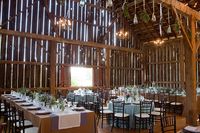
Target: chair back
{"points": [[118, 107], [145, 107], [168, 123]]}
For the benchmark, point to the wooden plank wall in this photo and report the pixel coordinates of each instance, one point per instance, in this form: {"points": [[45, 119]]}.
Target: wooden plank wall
{"points": [[25, 61], [126, 68], [164, 65]]}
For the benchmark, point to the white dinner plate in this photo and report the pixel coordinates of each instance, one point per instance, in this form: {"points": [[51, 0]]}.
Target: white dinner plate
{"points": [[33, 108], [42, 112], [26, 104]]}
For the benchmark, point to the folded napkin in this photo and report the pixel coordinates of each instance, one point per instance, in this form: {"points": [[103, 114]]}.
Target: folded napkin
{"points": [[193, 129]]}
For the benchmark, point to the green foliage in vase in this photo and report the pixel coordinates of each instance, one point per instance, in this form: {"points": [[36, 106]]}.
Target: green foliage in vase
{"points": [[43, 98], [22, 90], [61, 104], [52, 101], [31, 94], [144, 16]]}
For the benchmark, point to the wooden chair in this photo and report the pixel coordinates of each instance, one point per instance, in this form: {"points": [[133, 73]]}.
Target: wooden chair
{"points": [[3, 127], [119, 115], [168, 123], [20, 124], [176, 107], [157, 113], [144, 117], [103, 112]]}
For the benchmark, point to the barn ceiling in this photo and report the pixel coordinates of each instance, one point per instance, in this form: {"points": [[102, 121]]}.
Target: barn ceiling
{"points": [[152, 30]]}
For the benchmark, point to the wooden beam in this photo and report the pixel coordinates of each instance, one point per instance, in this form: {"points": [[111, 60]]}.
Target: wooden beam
{"points": [[182, 63], [191, 83], [22, 62], [66, 41], [107, 72], [182, 28], [52, 68], [181, 7], [130, 4]]}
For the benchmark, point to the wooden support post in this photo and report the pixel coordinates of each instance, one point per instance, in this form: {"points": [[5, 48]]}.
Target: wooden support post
{"points": [[108, 52], [52, 68], [191, 83], [182, 64], [145, 73]]}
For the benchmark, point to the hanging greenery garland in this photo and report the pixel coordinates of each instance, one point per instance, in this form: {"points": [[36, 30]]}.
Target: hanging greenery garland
{"points": [[176, 26], [144, 16], [125, 10]]}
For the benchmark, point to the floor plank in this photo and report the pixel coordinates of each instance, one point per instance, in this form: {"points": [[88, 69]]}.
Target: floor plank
{"points": [[181, 122]]}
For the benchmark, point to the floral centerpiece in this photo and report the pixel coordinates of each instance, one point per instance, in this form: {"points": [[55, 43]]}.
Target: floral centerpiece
{"points": [[52, 101], [43, 98], [61, 104], [22, 90]]}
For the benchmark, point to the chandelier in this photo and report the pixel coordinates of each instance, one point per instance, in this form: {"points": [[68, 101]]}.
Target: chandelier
{"points": [[62, 22], [122, 34], [158, 42]]}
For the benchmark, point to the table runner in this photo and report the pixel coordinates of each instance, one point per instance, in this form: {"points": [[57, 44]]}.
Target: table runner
{"points": [[66, 120]]}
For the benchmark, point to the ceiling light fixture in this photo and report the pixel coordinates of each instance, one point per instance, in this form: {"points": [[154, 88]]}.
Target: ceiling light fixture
{"points": [[158, 42], [122, 34], [63, 22]]}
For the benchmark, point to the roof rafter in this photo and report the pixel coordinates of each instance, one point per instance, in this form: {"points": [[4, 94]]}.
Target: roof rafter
{"points": [[181, 7]]}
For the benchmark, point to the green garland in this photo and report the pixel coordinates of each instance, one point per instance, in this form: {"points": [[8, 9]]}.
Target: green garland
{"points": [[176, 26], [144, 16], [126, 12]]}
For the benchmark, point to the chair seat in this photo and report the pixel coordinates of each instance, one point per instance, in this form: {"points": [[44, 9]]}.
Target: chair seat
{"points": [[106, 111], [105, 107], [158, 109], [156, 100], [30, 130], [121, 115], [143, 115], [175, 103], [155, 113], [26, 123]]}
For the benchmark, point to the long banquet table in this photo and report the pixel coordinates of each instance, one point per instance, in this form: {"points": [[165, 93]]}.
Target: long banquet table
{"points": [[49, 123]]}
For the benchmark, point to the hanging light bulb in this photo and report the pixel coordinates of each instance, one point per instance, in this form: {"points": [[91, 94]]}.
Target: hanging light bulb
{"points": [[82, 3], [169, 29], [135, 20], [109, 3], [153, 14]]}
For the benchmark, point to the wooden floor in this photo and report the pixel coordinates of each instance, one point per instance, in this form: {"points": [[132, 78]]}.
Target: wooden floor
{"points": [[181, 123]]}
